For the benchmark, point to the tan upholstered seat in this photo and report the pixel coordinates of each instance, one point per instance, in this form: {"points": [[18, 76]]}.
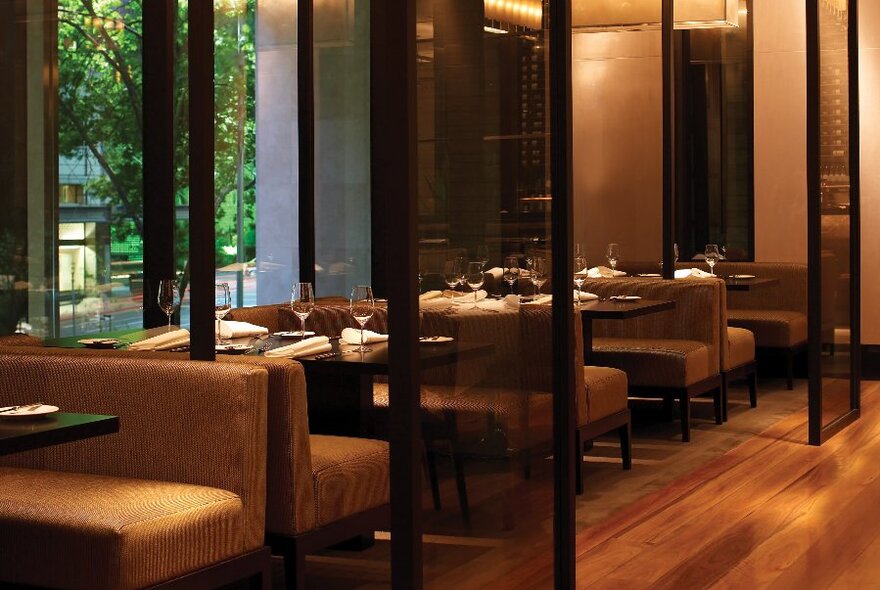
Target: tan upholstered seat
{"points": [[20, 340], [656, 362], [605, 392], [90, 531], [776, 328], [742, 348], [350, 475]]}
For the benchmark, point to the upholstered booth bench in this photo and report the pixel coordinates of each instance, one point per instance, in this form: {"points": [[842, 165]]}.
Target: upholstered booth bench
{"points": [[673, 355], [321, 490], [176, 499]]}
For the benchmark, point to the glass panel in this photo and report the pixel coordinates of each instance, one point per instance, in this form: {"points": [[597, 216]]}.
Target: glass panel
{"points": [[618, 152], [485, 198], [835, 195], [71, 245], [342, 146]]}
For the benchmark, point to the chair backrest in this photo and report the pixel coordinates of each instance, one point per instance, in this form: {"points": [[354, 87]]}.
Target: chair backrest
{"points": [[697, 314], [190, 422], [789, 294], [330, 320], [268, 316], [290, 505]]}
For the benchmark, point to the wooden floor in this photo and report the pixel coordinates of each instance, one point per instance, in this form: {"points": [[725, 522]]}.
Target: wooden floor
{"points": [[771, 513]]}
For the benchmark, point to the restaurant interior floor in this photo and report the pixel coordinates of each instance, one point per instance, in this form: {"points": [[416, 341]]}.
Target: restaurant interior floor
{"points": [[659, 458]]}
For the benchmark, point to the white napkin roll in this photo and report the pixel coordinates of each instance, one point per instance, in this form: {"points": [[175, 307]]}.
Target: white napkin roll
{"points": [[696, 273], [599, 272], [496, 273], [309, 346], [429, 295], [231, 329], [166, 341], [585, 296], [353, 336]]}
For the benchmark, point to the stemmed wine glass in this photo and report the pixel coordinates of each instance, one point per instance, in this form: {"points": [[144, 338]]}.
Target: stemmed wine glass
{"points": [[511, 271], [712, 256], [474, 278], [675, 252], [580, 274], [169, 297], [483, 255], [452, 273], [612, 254], [302, 303], [222, 305], [538, 273], [361, 305]]}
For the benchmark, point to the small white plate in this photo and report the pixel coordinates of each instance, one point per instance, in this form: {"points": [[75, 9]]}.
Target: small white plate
{"points": [[99, 342], [651, 275], [435, 339], [296, 334], [744, 277], [625, 298], [233, 348], [35, 413]]}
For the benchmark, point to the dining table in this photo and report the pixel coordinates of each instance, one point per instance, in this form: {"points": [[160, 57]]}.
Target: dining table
{"points": [[748, 284], [23, 434], [616, 310]]}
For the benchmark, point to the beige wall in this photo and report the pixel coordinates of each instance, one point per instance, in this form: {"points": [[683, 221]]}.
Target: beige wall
{"points": [[780, 131], [869, 79], [617, 144]]}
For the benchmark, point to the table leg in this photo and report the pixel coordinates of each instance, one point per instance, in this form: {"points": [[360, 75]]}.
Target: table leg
{"points": [[340, 404]]}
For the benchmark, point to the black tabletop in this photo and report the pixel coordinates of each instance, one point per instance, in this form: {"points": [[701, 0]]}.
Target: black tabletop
{"points": [[748, 284], [375, 362], [17, 434], [622, 310]]}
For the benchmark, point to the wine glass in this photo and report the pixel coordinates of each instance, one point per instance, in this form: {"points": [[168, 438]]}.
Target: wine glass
{"points": [[169, 297], [538, 273], [222, 305], [302, 303], [675, 252], [474, 278], [483, 255], [612, 254], [452, 272], [580, 274], [511, 271], [712, 256], [361, 305]]}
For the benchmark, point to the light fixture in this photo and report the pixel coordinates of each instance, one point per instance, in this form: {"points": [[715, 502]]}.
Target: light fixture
{"points": [[514, 15], [637, 15]]}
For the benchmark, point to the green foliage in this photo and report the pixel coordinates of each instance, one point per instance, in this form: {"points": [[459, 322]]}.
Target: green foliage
{"points": [[101, 108]]}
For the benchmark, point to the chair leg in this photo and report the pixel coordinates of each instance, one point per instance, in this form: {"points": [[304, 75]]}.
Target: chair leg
{"points": [[684, 412], [753, 388], [295, 570], [625, 433], [525, 457], [725, 384], [789, 368], [433, 480], [718, 402], [461, 485], [579, 468], [668, 407], [262, 580]]}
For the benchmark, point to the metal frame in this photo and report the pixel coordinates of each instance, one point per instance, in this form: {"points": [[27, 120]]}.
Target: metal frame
{"points": [[668, 60], [819, 433], [305, 93]]}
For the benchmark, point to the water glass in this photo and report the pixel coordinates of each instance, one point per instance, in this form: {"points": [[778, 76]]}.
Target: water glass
{"points": [[169, 297], [302, 303], [361, 305], [222, 305]]}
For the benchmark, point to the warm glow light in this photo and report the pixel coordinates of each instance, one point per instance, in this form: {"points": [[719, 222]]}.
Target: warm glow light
{"points": [[515, 13], [604, 15]]}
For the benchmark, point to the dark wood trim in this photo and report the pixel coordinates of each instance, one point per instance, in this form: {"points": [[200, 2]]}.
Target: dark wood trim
{"points": [[668, 67], [255, 565], [750, 101], [562, 230], [870, 361], [839, 424], [305, 93], [622, 422], [814, 226], [395, 169], [855, 217], [61, 428], [201, 184], [158, 154]]}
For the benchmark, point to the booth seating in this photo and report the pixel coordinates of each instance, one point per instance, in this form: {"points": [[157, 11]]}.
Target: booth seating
{"points": [[671, 355], [176, 498], [20, 340], [322, 490]]}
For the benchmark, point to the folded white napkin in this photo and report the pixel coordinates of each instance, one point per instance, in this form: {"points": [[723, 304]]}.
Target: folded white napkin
{"points": [[496, 273], [231, 329], [313, 345], [585, 296], [353, 336], [166, 341], [428, 295], [598, 272], [469, 297], [696, 273], [515, 300]]}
